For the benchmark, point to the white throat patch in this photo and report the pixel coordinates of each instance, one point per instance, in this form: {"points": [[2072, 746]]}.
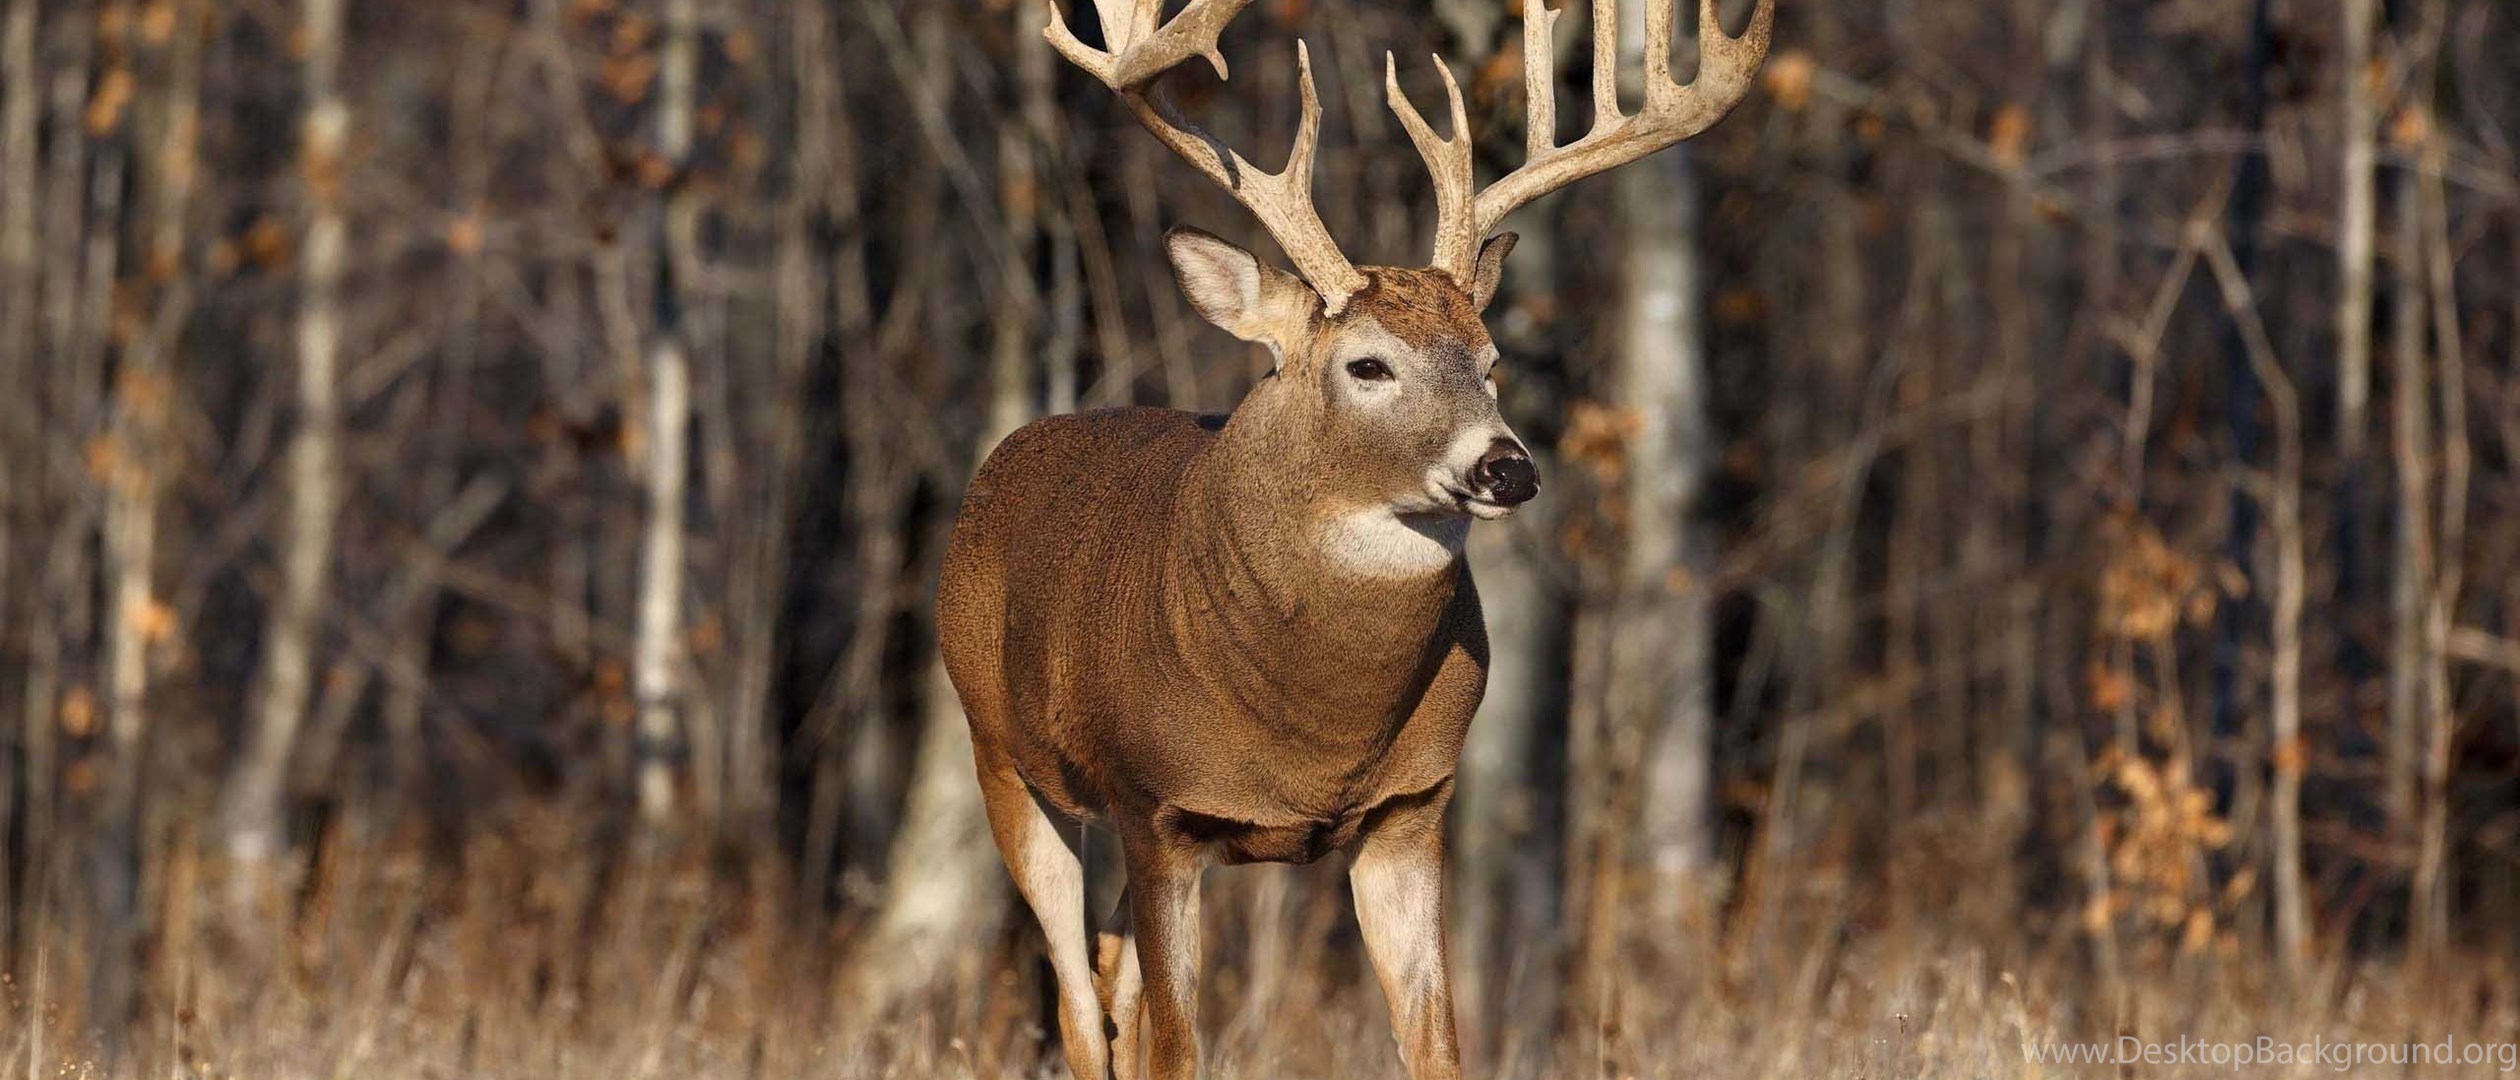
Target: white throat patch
{"points": [[1381, 543]]}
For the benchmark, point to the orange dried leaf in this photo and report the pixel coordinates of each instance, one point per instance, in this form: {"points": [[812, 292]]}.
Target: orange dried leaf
{"points": [[157, 22], [268, 243], [2198, 934], [1789, 77], [633, 32], [2411, 128], [463, 235], [627, 78], [155, 620], [105, 107], [78, 712], [2008, 139], [2290, 757], [705, 636], [2110, 688]]}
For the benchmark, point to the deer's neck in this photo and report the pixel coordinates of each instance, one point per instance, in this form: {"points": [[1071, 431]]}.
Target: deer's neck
{"points": [[1283, 584]]}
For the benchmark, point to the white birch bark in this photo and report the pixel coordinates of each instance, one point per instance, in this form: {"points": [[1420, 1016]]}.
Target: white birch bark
{"points": [[2357, 220], [1661, 679], [658, 654], [252, 821]]}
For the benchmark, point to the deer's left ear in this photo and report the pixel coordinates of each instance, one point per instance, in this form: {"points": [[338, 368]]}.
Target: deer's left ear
{"points": [[1491, 268]]}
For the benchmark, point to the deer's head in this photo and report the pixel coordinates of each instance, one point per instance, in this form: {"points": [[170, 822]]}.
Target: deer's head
{"points": [[1386, 372], [1392, 400]]}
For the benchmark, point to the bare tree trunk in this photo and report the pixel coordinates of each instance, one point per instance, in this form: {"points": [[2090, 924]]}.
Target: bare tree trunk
{"points": [[21, 428], [2283, 498], [58, 608], [163, 136], [252, 819], [20, 96], [113, 851], [2430, 925], [2357, 221], [1661, 679], [658, 662], [2411, 571], [143, 387]]}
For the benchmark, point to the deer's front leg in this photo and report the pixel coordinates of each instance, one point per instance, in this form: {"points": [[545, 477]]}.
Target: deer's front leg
{"points": [[1164, 905], [1398, 879]]}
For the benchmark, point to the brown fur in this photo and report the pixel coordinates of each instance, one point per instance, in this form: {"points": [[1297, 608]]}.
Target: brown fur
{"points": [[1147, 635]]}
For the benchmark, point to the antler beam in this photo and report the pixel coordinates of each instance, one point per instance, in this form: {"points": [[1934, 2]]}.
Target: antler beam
{"points": [[1141, 50], [1143, 45]]}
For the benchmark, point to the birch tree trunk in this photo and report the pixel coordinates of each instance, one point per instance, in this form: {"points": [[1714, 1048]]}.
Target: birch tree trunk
{"points": [[2357, 220], [657, 664], [1661, 677], [142, 383], [162, 135], [252, 821]]}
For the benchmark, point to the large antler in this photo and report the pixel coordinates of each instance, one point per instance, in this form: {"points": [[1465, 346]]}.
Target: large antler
{"points": [[1140, 50], [1672, 113]]}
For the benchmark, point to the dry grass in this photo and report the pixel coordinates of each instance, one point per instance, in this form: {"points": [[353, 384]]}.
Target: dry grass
{"points": [[554, 969]]}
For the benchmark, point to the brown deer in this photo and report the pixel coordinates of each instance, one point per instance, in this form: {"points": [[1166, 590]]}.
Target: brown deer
{"points": [[1253, 638]]}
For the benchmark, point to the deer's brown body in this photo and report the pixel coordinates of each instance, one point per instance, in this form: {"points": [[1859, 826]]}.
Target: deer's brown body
{"points": [[1215, 637], [1142, 623], [1253, 638]]}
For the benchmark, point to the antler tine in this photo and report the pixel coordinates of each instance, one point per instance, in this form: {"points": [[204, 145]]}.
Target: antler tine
{"points": [[1448, 161], [1539, 78], [1671, 112], [1282, 201], [1605, 72], [1658, 41], [1297, 175]]}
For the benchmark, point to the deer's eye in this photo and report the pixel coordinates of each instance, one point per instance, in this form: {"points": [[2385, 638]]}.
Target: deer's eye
{"points": [[1369, 369]]}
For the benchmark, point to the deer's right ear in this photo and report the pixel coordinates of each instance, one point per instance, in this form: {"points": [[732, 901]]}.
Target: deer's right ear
{"points": [[1232, 288]]}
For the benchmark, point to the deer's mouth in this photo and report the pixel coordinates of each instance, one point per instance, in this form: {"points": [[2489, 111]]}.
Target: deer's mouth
{"points": [[1477, 505]]}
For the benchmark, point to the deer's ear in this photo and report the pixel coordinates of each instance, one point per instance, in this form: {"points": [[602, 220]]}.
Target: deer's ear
{"points": [[1490, 271], [1235, 290]]}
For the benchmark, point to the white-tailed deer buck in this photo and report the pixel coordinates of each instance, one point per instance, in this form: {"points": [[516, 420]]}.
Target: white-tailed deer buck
{"points": [[1253, 638]]}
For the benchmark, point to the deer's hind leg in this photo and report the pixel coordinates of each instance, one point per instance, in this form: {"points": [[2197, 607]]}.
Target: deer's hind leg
{"points": [[1044, 852]]}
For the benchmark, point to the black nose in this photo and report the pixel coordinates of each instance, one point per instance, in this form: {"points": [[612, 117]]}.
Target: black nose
{"points": [[1507, 474]]}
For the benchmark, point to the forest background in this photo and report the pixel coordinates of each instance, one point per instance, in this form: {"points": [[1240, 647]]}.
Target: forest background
{"points": [[2028, 553]]}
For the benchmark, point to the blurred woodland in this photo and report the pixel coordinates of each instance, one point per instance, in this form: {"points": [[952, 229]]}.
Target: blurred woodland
{"points": [[2029, 541]]}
